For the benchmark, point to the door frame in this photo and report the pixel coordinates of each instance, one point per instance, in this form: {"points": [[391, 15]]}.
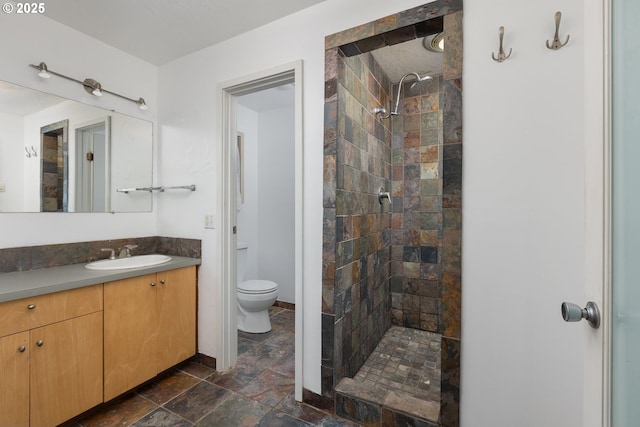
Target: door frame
{"points": [[227, 198], [597, 134]]}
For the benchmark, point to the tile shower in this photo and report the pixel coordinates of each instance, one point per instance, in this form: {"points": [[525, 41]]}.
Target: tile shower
{"points": [[392, 265]]}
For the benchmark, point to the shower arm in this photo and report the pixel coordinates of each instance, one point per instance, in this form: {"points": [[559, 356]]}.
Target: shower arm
{"points": [[395, 110], [383, 112]]}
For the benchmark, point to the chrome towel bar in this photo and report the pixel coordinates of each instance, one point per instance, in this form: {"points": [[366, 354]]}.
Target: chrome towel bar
{"points": [[161, 189]]}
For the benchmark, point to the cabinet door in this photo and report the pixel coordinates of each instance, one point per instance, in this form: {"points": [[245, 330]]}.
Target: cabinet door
{"points": [[14, 380], [66, 369], [176, 316], [130, 325]]}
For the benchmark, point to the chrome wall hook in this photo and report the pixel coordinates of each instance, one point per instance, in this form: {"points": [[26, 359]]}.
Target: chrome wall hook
{"points": [[30, 152], [501, 55], [556, 43]]}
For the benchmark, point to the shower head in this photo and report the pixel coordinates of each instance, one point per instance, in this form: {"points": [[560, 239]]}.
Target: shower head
{"points": [[418, 82]]}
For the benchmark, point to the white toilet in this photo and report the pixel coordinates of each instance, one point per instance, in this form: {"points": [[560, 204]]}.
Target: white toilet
{"points": [[254, 298]]}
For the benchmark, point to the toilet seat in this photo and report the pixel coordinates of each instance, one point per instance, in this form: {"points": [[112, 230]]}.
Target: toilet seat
{"points": [[257, 287]]}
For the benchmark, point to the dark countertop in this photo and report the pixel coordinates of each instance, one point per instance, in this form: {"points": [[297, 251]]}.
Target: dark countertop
{"points": [[23, 284]]}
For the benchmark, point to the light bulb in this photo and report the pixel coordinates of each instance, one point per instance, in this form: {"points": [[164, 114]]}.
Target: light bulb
{"points": [[97, 90], [44, 72]]}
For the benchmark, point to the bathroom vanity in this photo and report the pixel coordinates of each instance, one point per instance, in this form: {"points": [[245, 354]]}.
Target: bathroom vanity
{"points": [[71, 338]]}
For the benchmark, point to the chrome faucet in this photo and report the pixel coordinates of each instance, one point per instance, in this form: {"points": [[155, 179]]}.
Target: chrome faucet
{"points": [[112, 255], [126, 251]]}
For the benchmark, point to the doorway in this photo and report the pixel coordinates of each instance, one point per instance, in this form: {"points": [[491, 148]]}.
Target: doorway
{"points": [[230, 200], [54, 179], [395, 263], [92, 160]]}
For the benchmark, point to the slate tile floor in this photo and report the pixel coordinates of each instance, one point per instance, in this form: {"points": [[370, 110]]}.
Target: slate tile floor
{"points": [[406, 360], [258, 391]]}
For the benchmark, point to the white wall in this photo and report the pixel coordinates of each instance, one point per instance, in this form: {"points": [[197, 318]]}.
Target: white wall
{"points": [[247, 216], [77, 55], [266, 219], [13, 158], [276, 200]]}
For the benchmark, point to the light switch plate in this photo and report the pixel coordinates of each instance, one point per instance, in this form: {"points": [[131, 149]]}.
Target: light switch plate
{"points": [[209, 221]]}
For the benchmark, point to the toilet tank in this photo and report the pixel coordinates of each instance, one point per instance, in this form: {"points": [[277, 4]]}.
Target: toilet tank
{"points": [[241, 260]]}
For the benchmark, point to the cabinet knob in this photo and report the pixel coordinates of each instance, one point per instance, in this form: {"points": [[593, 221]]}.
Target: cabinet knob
{"points": [[40, 343], [22, 349], [162, 282], [31, 306], [153, 283]]}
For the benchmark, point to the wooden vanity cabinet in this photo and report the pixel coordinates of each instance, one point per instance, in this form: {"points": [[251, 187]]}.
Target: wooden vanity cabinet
{"points": [[66, 369], [14, 380], [150, 326], [51, 353], [176, 303]]}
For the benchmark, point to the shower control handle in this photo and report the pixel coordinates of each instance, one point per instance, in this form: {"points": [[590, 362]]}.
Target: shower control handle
{"points": [[573, 313], [383, 195]]}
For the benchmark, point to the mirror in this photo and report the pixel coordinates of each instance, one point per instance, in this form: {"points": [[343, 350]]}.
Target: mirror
{"points": [[59, 155]]}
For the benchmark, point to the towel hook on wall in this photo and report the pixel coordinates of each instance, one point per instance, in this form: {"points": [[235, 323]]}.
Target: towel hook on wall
{"points": [[556, 43], [30, 152], [501, 55]]}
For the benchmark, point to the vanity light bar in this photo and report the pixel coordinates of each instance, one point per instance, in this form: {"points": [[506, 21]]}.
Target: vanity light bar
{"points": [[90, 85]]}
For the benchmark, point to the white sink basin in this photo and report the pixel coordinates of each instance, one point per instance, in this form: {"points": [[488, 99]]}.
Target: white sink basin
{"points": [[130, 262]]}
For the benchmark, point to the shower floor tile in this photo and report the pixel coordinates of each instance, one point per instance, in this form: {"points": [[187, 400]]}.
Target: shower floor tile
{"points": [[406, 360]]}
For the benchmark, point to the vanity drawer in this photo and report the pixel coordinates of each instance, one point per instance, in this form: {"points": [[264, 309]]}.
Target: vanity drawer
{"points": [[14, 317], [32, 312]]}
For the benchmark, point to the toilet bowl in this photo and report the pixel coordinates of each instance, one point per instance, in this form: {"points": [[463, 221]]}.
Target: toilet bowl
{"points": [[254, 298]]}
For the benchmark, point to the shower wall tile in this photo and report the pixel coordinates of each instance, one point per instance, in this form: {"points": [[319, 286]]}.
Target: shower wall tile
{"points": [[451, 251], [452, 117], [355, 225], [452, 56], [328, 322], [330, 120], [452, 169], [450, 382], [451, 309], [418, 223]]}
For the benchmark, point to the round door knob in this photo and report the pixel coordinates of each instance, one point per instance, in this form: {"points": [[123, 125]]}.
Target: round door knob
{"points": [[40, 343], [573, 313], [162, 282], [31, 306], [153, 283], [22, 349]]}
